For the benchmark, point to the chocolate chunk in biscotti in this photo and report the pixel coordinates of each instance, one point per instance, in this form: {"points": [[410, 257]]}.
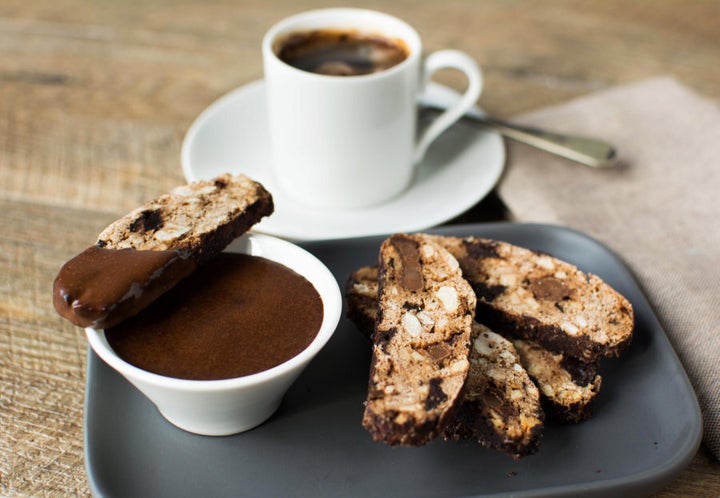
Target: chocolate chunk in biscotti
{"points": [[421, 342], [201, 218], [568, 387], [500, 408], [534, 296]]}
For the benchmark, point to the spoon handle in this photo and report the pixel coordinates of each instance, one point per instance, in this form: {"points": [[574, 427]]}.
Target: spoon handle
{"points": [[587, 151]]}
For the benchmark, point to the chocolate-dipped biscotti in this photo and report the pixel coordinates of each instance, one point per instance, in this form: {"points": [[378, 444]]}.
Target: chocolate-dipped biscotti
{"points": [[142, 255]]}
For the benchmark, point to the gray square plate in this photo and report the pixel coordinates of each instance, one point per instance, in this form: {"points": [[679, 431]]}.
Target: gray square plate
{"points": [[646, 427]]}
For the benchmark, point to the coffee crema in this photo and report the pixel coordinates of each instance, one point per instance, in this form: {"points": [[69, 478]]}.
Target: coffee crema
{"points": [[236, 315], [336, 52]]}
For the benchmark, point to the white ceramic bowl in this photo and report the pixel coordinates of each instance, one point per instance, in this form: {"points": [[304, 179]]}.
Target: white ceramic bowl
{"points": [[229, 406]]}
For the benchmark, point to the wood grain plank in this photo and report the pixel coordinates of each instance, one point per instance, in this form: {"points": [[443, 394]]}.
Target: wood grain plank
{"points": [[95, 98], [42, 371]]}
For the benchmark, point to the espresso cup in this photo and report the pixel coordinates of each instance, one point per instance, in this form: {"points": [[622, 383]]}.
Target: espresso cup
{"points": [[351, 141]]}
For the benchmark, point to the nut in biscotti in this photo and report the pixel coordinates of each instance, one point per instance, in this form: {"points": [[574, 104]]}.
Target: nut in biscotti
{"points": [[421, 342]]}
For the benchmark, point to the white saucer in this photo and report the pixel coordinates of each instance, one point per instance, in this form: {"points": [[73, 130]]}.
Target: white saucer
{"points": [[460, 168]]}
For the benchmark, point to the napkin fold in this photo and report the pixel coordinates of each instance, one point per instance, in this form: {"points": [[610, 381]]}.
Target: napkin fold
{"points": [[660, 210]]}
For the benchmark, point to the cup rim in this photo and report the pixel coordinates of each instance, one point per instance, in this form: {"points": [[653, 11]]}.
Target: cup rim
{"points": [[330, 295], [292, 23]]}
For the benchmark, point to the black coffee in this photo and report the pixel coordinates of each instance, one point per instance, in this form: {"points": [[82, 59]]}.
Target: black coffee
{"points": [[340, 52]]}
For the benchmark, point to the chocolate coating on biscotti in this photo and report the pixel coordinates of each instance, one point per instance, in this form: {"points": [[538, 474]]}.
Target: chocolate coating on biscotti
{"points": [[421, 342], [534, 296], [202, 218]]}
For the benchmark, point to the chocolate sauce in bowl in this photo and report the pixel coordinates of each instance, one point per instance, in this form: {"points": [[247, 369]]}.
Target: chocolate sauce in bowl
{"points": [[236, 315]]}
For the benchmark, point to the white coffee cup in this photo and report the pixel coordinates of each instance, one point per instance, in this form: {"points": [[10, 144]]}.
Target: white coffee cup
{"points": [[351, 141]]}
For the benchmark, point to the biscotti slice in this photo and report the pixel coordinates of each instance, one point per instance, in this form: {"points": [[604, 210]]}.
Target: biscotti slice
{"points": [[201, 218], [568, 387], [361, 295], [534, 296], [147, 252], [501, 409], [420, 344]]}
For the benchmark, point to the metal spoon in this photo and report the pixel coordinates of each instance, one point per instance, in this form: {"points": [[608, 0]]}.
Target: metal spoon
{"points": [[587, 151]]}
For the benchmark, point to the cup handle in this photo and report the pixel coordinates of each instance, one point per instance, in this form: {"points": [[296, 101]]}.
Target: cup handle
{"points": [[452, 59]]}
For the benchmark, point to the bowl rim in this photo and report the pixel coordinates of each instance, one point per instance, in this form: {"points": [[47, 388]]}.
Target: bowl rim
{"points": [[255, 244]]}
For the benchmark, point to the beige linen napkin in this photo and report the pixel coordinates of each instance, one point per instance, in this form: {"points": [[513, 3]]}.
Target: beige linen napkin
{"points": [[660, 211]]}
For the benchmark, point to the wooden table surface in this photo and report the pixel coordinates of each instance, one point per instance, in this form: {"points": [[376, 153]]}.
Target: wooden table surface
{"points": [[95, 98]]}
